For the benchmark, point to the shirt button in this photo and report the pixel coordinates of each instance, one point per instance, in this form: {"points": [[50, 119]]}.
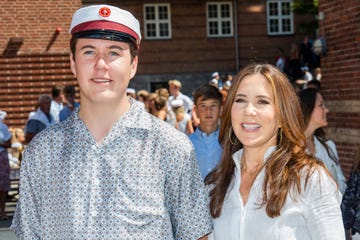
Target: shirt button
{"points": [[96, 181], [93, 147], [93, 213]]}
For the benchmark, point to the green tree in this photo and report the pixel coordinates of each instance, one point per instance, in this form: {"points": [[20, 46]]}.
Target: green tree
{"points": [[307, 8]]}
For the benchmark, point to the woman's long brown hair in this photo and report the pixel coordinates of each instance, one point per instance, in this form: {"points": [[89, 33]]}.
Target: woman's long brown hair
{"points": [[284, 166]]}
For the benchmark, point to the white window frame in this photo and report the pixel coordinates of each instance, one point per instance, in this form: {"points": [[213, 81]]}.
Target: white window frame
{"points": [[279, 17], [157, 21], [219, 20]]}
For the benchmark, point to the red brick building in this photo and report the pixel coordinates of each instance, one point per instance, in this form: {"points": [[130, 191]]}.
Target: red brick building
{"points": [[186, 40], [341, 74]]}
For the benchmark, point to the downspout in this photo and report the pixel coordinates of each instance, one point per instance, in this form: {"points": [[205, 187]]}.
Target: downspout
{"points": [[237, 61]]}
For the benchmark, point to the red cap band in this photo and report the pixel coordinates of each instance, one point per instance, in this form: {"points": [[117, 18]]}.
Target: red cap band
{"points": [[104, 25]]}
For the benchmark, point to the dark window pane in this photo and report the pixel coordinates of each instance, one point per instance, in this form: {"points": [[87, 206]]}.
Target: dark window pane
{"points": [[164, 29], [151, 30], [273, 9], [150, 13], [225, 11], [212, 9]]}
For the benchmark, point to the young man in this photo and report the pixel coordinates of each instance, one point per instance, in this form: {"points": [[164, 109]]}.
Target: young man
{"points": [[111, 170], [207, 99]]}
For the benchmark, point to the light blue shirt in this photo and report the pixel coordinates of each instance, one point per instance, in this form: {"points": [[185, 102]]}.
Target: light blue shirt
{"points": [[66, 112], [208, 150]]}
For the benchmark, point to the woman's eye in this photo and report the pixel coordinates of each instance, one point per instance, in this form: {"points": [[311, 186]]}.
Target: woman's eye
{"points": [[239, 100], [263, 102]]}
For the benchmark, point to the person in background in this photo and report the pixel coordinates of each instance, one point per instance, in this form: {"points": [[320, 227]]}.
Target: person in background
{"points": [[70, 94], [293, 69], [207, 102], [350, 204], [170, 115], [176, 94], [183, 120], [314, 112], [143, 97], [317, 74], [40, 120], [57, 102], [314, 84], [306, 73], [5, 142], [215, 80], [281, 60], [131, 92], [228, 80], [267, 186], [161, 111], [111, 170]]}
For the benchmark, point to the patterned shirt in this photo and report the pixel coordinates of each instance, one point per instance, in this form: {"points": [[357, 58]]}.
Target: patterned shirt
{"points": [[141, 182], [208, 150]]}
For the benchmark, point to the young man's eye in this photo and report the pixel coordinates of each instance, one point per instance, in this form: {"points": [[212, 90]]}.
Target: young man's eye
{"points": [[89, 52], [112, 53]]}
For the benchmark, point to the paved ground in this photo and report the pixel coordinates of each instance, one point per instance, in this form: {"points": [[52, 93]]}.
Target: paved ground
{"points": [[5, 232]]}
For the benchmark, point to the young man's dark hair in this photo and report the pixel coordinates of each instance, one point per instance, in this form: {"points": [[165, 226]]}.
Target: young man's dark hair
{"points": [[207, 91]]}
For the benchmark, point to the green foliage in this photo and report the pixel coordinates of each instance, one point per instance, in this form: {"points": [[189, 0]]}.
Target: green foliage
{"points": [[304, 7], [307, 7]]}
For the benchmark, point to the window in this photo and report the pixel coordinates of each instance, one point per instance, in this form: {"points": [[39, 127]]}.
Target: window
{"points": [[219, 19], [157, 21], [279, 17]]}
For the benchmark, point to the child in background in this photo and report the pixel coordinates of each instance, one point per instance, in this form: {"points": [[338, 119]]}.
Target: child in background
{"points": [[183, 120], [207, 102]]}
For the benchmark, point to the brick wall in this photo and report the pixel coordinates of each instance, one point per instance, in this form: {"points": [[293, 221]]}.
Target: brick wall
{"points": [[34, 53], [341, 75], [36, 22], [24, 78]]}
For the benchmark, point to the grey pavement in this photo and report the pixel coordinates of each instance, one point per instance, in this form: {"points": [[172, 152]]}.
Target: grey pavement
{"points": [[5, 232]]}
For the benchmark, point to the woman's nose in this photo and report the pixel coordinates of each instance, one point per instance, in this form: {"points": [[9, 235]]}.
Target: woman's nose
{"points": [[250, 109]]}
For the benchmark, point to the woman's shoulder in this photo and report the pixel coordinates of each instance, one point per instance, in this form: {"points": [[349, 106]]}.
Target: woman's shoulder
{"points": [[317, 183]]}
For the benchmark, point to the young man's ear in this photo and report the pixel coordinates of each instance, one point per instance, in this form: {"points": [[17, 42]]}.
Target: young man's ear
{"points": [[134, 65], [72, 64]]}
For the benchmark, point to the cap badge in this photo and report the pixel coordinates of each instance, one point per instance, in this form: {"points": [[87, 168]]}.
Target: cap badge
{"points": [[104, 12]]}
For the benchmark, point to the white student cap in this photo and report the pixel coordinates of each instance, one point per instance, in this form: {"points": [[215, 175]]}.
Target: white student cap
{"points": [[177, 103], [215, 74], [106, 22]]}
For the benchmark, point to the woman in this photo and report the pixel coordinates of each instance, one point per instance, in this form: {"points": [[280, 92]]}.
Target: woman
{"points": [[315, 111], [350, 204], [5, 142], [266, 185]]}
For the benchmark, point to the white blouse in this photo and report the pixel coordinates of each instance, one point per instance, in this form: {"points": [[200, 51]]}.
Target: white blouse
{"points": [[315, 214], [333, 167]]}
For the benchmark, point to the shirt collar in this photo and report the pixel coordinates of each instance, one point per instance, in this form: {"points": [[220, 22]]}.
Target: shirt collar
{"points": [[237, 156]]}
